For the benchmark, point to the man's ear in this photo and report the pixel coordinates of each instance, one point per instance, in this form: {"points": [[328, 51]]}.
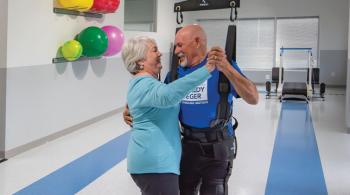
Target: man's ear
{"points": [[198, 42]]}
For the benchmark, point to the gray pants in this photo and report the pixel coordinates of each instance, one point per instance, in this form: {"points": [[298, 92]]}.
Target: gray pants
{"points": [[157, 183]]}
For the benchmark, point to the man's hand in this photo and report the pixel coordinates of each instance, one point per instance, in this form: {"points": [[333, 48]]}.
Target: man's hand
{"points": [[126, 116], [218, 57], [245, 88]]}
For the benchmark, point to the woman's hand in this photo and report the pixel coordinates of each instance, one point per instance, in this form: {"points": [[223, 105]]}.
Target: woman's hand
{"points": [[210, 66]]}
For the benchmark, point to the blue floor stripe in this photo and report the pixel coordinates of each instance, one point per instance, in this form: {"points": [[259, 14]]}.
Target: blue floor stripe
{"points": [[76, 175], [295, 165]]}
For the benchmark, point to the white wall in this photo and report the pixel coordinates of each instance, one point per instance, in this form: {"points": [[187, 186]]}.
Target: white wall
{"points": [[3, 42], [45, 98], [3, 32], [35, 32]]}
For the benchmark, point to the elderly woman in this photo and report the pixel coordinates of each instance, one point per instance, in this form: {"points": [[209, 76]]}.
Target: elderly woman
{"points": [[154, 149]]}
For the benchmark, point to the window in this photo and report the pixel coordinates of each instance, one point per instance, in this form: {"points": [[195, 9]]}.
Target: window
{"points": [[259, 40], [255, 43], [296, 33], [255, 40], [140, 15]]}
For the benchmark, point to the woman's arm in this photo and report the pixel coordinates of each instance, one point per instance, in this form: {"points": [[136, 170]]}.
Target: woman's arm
{"points": [[159, 94]]}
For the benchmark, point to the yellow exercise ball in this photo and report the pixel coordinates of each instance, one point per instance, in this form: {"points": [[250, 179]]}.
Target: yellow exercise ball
{"points": [[85, 5], [71, 50], [68, 4], [80, 5]]}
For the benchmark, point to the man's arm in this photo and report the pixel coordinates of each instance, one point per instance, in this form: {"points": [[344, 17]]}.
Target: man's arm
{"points": [[126, 116], [244, 87]]}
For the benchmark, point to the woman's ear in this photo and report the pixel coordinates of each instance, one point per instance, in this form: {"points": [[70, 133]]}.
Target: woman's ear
{"points": [[140, 62], [140, 65]]}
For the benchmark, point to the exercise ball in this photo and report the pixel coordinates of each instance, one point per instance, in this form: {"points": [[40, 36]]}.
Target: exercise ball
{"points": [[105, 6], [115, 40], [68, 4], [71, 50], [85, 5], [94, 41], [80, 5]]}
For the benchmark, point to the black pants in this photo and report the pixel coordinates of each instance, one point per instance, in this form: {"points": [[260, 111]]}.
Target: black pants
{"points": [[206, 167], [157, 183]]}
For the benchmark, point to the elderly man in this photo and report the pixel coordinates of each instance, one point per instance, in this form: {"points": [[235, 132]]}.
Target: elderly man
{"points": [[208, 143]]}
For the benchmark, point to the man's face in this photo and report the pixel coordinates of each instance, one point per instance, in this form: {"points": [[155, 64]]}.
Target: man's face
{"points": [[185, 49]]}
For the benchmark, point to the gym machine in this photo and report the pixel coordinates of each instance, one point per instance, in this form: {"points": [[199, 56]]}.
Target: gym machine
{"points": [[299, 91]]}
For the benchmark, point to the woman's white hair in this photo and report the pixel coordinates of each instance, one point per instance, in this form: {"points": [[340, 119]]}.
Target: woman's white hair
{"points": [[134, 51]]}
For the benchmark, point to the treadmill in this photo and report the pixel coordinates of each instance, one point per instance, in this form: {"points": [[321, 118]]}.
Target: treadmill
{"points": [[296, 91]]}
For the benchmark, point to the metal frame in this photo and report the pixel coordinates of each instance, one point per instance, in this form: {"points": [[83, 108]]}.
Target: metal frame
{"points": [[309, 67], [77, 13], [197, 5], [82, 58], [155, 24]]}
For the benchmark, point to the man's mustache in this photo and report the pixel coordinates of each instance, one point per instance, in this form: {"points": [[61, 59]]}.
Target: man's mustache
{"points": [[181, 54]]}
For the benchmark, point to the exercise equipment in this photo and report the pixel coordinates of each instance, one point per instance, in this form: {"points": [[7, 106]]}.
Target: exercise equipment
{"points": [[223, 108], [197, 5], [71, 50], [303, 91], [115, 40], [295, 90], [315, 81], [80, 5], [274, 80], [94, 41], [105, 6]]}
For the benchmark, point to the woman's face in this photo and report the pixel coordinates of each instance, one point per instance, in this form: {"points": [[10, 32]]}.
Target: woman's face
{"points": [[152, 63]]}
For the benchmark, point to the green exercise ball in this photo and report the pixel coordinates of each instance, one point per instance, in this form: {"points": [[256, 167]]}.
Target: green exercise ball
{"points": [[94, 41]]}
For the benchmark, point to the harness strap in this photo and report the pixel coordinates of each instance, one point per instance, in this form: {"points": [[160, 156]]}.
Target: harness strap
{"points": [[205, 135], [223, 111]]}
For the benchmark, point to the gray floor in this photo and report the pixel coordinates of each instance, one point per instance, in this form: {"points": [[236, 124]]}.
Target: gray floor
{"points": [[256, 134]]}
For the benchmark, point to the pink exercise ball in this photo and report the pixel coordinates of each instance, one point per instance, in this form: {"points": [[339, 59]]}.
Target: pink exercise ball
{"points": [[115, 40]]}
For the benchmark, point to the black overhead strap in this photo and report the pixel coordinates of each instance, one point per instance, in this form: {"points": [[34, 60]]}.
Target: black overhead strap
{"points": [[174, 62], [230, 47]]}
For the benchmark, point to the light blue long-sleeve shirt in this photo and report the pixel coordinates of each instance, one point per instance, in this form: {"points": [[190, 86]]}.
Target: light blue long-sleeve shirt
{"points": [[155, 145]]}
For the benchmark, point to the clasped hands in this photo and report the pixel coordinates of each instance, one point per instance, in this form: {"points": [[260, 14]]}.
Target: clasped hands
{"points": [[217, 58]]}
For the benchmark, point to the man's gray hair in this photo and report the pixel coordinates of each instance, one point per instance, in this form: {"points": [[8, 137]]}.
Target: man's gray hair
{"points": [[135, 50]]}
